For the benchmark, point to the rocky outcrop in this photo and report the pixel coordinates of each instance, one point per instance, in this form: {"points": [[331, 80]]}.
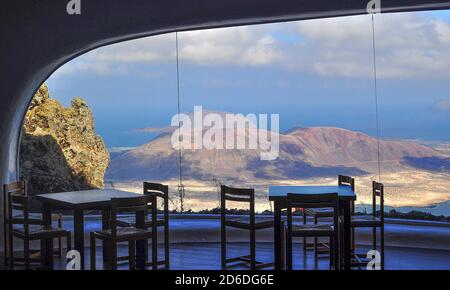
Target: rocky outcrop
{"points": [[60, 150]]}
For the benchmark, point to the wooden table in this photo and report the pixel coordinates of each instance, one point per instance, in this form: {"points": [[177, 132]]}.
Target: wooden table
{"points": [[278, 194], [79, 201]]}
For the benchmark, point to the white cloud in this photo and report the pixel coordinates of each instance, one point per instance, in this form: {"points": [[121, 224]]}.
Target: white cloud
{"points": [[120, 58], [239, 46], [263, 53], [443, 31], [86, 66], [411, 45], [408, 46], [149, 49]]}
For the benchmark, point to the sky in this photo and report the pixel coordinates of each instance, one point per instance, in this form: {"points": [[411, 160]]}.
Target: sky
{"points": [[311, 73]]}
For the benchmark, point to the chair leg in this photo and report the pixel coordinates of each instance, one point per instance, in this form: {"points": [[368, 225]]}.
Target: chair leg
{"points": [[335, 252], [288, 252], [68, 245], [60, 249], [166, 246], [11, 248], [340, 245], [331, 253], [68, 242], [252, 249], [283, 245], [223, 246], [93, 252], [353, 240], [132, 255], [5, 245], [146, 252], [316, 250], [26, 253], [154, 250], [113, 255], [382, 246], [374, 238], [305, 240]]}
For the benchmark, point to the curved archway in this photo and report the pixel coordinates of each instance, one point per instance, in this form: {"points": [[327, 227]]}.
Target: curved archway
{"points": [[38, 37]]}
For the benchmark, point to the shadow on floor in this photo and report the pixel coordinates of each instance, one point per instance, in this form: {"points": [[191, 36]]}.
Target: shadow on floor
{"points": [[206, 256]]}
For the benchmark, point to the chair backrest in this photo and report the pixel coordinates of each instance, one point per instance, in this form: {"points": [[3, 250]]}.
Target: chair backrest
{"points": [[378, 192], [156, 190], [246, 195], [237, 194], [128, 205], [323, 200], [346, 180], [15, 198]]}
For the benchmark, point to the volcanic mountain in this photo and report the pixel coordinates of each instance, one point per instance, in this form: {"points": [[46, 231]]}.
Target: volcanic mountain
{"points": [[303, 153]]}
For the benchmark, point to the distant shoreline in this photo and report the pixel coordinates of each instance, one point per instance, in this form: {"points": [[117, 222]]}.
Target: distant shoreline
{"points": [[203, 196]]}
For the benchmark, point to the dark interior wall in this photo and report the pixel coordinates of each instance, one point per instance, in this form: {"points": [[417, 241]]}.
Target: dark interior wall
{"points": [[38, 36]]}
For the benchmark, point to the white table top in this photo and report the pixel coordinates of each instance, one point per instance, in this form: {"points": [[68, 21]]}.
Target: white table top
{"points": [[344, 191]]}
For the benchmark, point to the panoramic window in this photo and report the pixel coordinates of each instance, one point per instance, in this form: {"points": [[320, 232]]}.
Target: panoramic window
{"points": [[316, 144], [309, 96]]}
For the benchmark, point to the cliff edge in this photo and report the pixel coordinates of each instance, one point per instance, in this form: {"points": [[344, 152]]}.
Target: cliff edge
{"points": [[60, 150]]}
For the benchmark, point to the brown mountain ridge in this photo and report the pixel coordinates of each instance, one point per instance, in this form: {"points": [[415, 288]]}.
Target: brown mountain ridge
{"points": [[304, 153]]}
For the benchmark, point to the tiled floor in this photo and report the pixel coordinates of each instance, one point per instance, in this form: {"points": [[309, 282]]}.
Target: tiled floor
{"points": [[206, 256]]}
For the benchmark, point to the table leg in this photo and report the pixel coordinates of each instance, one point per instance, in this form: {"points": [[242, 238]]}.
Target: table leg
{"points": [[154, 236], [141, 245], [277, 236], [347, 245], [78, 220], [106, 216], [47, 244]]}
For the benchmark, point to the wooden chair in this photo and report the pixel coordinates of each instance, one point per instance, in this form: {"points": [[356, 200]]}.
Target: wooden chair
{"points": [[23, 227], [331, 231], [316, 214], [155, 191], [20, 187], [117, 234], [373, 221], [251, 223]]}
